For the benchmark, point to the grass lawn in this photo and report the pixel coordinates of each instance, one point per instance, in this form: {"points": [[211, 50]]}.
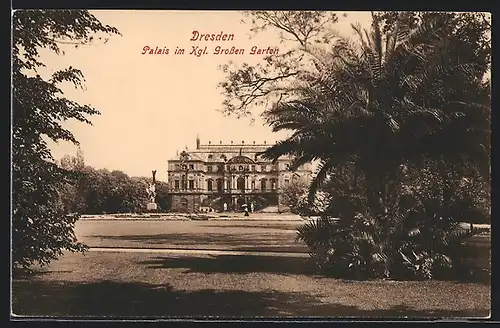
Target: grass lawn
{"points": [[218, 235], [144, 284], [129, 284]]}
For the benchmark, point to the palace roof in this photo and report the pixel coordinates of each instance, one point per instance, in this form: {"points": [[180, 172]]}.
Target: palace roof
{"points": [[244, 153]]}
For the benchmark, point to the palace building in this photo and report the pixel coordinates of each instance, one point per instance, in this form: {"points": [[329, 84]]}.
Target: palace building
{"points": [[206, 178]]}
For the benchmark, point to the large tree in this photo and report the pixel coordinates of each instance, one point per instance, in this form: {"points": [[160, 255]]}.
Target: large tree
{"points": [[404, 113], [247, 88], [389, 99], [41, 227]]}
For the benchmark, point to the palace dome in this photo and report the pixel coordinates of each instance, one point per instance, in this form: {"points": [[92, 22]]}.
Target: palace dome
{"points": [[240, 160]]}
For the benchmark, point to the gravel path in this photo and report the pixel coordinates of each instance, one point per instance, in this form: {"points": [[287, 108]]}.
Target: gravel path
{"points": [[188, 252]]}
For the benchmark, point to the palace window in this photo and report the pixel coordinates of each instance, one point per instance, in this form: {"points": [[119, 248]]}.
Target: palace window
{"points": [[209, 185], [287, 166], [253, 168], [183, 182], [273, 184], [176, 184], [253, 185], [191, 166], [287, 182], [220, 185], [191, 184]]}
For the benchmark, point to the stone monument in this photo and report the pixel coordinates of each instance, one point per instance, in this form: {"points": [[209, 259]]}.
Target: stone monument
{"points": [[151, 190]]}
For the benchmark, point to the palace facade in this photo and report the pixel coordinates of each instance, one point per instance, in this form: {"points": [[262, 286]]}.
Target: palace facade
{"points": [[217, 176]]}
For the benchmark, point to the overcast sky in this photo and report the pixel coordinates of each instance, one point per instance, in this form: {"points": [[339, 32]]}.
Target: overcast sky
{"points": [[153, 105]]}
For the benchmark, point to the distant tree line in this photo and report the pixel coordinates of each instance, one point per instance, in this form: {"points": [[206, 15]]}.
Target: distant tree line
{"points": [[100, 191]]}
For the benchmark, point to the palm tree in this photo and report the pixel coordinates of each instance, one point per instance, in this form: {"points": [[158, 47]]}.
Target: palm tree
{"points": [[388, 99]]}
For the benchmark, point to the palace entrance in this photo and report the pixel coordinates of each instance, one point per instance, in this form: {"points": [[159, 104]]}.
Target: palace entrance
{"points": [[184, 204], [239, 203], [240, 184]]}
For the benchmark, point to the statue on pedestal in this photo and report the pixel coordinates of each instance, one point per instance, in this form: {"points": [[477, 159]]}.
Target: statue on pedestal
{"points": [[151, 190]]}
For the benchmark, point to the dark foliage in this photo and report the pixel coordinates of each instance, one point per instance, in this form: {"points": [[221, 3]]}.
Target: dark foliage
{"points": [[400, 122], [41, 228]]}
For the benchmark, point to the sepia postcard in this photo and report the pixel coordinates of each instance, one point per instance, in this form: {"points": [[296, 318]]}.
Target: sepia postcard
{"points": [[270, 165]]}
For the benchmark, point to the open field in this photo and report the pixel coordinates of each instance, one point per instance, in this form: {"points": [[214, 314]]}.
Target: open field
{"points": [[218, 235], [168, 272], [255, 234]]}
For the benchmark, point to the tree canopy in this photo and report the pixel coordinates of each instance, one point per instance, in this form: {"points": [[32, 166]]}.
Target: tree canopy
{"points": [[100, 191], [41, 228], [399, 118], [249, 87], [391, 98]]}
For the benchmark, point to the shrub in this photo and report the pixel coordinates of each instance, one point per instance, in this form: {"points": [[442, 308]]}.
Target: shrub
{"points": [[294, 197], [359, 251], [416, 235]]}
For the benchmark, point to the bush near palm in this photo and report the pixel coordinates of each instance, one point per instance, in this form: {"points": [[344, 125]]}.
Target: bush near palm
{"points": [[400, 122], [295, 198], [419, 237]]}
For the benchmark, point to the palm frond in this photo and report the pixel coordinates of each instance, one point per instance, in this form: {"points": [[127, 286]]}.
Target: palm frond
{"points": [[323, 169], [361, 37], [317, 232], [302, 159], [378, 48]]}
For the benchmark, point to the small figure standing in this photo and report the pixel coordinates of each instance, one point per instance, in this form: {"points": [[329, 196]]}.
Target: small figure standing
{"points": [[251, 207], [225, 207], [245, 208]]}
